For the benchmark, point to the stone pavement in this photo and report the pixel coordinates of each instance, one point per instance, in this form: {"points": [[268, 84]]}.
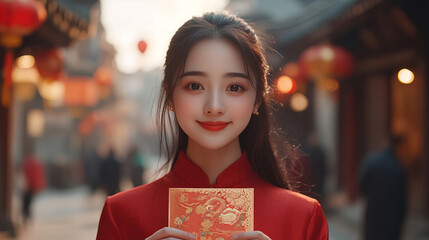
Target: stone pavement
{"points": [[64, 214], [346, 223], [340, 229]]}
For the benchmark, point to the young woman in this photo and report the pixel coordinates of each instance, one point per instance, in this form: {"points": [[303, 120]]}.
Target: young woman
{"points": [[215, 85]]}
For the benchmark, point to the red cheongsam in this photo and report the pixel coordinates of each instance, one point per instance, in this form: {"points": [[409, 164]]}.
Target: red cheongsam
{"points": [[280, 214]]}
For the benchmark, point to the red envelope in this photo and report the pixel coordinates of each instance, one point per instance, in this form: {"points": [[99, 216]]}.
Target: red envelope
{"points": [[211, 213]]}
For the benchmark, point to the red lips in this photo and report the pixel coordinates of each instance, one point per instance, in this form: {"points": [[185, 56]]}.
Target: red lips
{"points": [[213, 126]]}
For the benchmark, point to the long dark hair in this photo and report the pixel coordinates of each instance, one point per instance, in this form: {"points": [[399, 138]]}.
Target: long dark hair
{"points": [[256, 138]]}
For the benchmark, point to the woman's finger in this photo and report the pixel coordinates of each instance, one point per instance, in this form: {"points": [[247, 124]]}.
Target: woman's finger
{"points": [[171, 233], [251, 235]]}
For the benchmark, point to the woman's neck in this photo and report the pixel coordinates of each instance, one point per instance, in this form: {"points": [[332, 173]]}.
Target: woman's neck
{"points": [[213, 161]]}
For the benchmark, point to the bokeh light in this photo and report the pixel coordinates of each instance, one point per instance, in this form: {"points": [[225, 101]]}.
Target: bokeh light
{"points": [[327, 54], [52, 91], [35, 123], [286, 85], [298, 102], [25, 61], [405, 76]]}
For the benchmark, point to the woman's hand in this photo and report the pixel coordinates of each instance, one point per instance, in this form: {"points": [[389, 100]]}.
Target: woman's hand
{"points": [[251, 235], [171, 234]]}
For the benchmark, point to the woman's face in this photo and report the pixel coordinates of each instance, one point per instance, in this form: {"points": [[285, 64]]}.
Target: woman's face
{"points": [[214, 99]]}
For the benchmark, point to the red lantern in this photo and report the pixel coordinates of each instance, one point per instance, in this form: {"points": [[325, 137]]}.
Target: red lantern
{"points": [[142, 46], [326, 60], [17, 19], [50, 64]]}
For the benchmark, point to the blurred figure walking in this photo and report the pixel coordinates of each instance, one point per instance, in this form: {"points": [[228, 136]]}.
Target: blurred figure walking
{"points": [[110, 174], [316, 158], [136, 162], [92, 162], [35, 181], [384, 184]]}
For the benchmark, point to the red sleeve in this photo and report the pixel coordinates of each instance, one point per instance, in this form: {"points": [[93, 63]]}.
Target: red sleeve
{"points": [[107, 228], [318, 226]]}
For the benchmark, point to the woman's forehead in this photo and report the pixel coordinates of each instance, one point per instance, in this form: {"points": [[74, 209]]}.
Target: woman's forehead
{"points": [[215, 55]]}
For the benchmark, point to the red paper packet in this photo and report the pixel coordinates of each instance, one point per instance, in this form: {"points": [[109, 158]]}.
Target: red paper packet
{"points": [[211, 213]]}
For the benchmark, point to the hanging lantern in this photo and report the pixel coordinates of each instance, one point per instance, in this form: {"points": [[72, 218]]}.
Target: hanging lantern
{"points": [[50, 63], [18, 19], [142, 46], [104, 79], [326, 60]]}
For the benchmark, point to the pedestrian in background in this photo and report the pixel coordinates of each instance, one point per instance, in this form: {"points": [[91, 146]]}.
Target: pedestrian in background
{"points": [[316, 157], [110, 174], [384, 184], [136, 162], [92, 162], [35, 181]]}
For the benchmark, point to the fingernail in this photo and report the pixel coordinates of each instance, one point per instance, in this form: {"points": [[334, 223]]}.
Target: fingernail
{"points": [[193, 236]]}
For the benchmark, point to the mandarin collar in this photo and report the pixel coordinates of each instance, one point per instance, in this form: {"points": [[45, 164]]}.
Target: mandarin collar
{"points": [[197, 178]]}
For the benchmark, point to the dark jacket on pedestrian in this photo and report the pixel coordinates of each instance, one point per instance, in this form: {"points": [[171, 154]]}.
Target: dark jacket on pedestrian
{"points": [[383, 182]]}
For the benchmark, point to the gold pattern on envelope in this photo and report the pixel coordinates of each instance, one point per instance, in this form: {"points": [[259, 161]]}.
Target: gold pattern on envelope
{"points": [[211, 213]]}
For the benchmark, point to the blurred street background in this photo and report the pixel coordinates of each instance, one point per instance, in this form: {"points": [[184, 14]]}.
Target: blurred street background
{"points": [[79, 87]]}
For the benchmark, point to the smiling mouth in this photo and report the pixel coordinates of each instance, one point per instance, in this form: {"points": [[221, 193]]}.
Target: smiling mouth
{"points": [[213, 126]]}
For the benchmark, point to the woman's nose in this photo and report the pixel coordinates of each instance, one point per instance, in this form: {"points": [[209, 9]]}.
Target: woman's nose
{"points": [[214, 105]]}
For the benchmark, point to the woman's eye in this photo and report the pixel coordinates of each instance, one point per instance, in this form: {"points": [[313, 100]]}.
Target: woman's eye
{"points": [[194, 86], [235, 88]]}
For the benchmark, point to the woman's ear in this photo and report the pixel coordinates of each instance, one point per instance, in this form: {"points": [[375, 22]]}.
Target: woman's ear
{"points": [[170, 106], [256, 109], [258, 103]]}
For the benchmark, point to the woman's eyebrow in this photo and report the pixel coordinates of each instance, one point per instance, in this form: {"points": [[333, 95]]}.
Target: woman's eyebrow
{"points": [[193, 73], [203, 74], [236, 74]]}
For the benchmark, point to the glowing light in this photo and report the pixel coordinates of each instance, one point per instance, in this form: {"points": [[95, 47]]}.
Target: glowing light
{"points": [[298, 102], [52, 91], [405, 76], [286, 84], [327, 54], [25, 61], [35, 123], [26, 75]]}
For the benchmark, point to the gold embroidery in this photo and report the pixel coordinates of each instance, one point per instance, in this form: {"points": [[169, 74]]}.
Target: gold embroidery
{"points": [[212, 213]]}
